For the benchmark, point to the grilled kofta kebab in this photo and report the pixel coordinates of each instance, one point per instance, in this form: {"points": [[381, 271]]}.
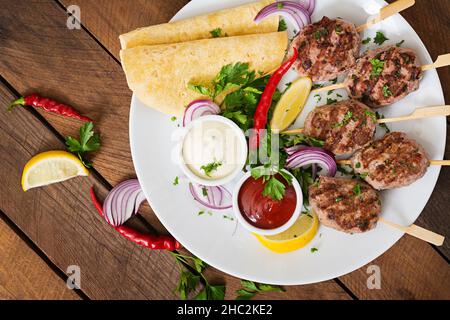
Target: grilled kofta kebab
{"points": [[392, 162], [346, 205], [384, 76], [344, 126], [326, 49]]}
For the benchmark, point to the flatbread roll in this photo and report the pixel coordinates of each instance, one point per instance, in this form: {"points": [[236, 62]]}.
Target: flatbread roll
{"points": [[232, 22], [159, 75]]}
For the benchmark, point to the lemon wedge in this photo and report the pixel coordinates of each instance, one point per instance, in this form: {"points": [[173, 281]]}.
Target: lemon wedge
{"points": [[294, 238], [291, 104], [51, 167]]}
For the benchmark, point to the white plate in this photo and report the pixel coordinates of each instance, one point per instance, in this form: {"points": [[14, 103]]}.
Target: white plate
{"points": [[228, 247]]}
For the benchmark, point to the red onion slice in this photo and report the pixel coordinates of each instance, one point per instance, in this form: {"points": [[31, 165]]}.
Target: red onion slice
{"points": [[216, 198], [199, 108], [309, 5], [300, 156], [293, 11], [123, 202]]}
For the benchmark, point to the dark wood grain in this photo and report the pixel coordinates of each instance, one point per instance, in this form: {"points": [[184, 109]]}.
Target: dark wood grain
{"points": [[24, 275], [61, 220]]}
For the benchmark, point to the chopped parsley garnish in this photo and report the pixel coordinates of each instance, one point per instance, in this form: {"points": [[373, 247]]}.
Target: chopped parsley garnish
{"points": [[282, 26], [173, 118], [331, 101], [383, 125], [320, 33], [377, 67], [210, 167], [338, 29], [339, 199], [358, 165], [226, 217], [386, 91], [205, 192], [318, 97], [363, 175], [330, 92], [314, 249], [317, 86], [176, 181], [200, 213], [280, 5], [347, 117], [399, 44], [372, 115], [334, 81], [366, 40], [216, 33], [380, 38], [357, 190]]}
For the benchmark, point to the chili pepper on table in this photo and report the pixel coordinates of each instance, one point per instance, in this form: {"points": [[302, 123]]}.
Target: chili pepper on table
{"points": [[48, 105], [145, 240], [262, 110]]}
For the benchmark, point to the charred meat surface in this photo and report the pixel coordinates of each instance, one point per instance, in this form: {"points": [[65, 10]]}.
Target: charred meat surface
{"points": [[326, 49], [346, 205], [384, 76], [344, 126], [392, 162]]}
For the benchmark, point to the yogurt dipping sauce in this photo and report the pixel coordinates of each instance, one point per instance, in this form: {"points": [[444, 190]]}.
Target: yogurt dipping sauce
{"points": [[214, 149]]}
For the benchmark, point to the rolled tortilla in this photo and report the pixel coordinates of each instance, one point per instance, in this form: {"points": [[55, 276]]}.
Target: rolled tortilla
{"points": [[232, 22], [159, 75]]}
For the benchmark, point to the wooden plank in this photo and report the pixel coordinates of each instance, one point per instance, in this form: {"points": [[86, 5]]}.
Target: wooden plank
{"points": [[110, 18], [419, 274], [61, 220], [434, 216], [109, 106], [24, 275]]}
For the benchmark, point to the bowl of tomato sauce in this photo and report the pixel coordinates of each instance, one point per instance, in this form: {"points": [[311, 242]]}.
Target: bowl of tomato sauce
{"points": [[262, 214]]}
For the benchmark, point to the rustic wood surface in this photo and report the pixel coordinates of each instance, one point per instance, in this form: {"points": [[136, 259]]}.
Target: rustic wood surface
{"points": [[80, 67]]}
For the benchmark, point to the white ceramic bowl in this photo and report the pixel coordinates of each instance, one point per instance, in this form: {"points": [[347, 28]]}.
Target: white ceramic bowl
{"points": [[240, 160], [267, 232]]}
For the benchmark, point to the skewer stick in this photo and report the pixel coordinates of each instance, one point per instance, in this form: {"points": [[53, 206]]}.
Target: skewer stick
{"points": [[386, 12], [418, 232], [432, 162], [419, 113], [441, 61]]}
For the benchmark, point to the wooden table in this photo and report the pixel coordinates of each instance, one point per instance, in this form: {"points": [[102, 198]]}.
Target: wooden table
{"points": [[44, 231]]}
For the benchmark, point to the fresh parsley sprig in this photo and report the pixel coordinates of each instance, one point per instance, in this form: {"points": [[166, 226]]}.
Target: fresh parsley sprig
{"points": [[189, 280], [273, 187], [251, 289], [210, 167], [89, 142]]}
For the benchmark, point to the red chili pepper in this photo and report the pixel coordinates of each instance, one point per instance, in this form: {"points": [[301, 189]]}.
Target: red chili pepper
{"points": [[48, 105], [262, 110], [145, 240]]}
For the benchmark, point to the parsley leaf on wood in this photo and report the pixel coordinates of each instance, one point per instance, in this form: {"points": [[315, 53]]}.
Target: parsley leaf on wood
{"points": [[89, 141], [251, 289]]}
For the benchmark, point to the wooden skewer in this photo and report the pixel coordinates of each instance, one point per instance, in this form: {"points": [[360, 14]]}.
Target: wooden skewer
{"points": [[432, 162], [386, 12], [441, 61], [419, 113], [418, 232]]}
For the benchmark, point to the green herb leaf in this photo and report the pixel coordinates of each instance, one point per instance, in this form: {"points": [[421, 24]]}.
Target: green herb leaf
{"points": [[331, 101], [250, 285], [216, 33], [176, 181], [399, 44], [357, 190], [89, 141], [377, 67], [186, 284], [274, 189], [201, 89], [210, 167], [282, 26], [380, 38], [173, 118], [216, 292], [339, 199], [314, 250], [347, 117], [269, 288], [245, 295], [386, 91], [366, 40]]}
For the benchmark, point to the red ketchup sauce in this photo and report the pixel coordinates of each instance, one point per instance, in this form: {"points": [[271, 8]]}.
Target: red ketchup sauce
{"points": [[264, 212]]}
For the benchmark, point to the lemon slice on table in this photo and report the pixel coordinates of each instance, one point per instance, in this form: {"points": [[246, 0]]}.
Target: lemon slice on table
{"points": [[294, 238], [291, 104], [51, 167]]}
